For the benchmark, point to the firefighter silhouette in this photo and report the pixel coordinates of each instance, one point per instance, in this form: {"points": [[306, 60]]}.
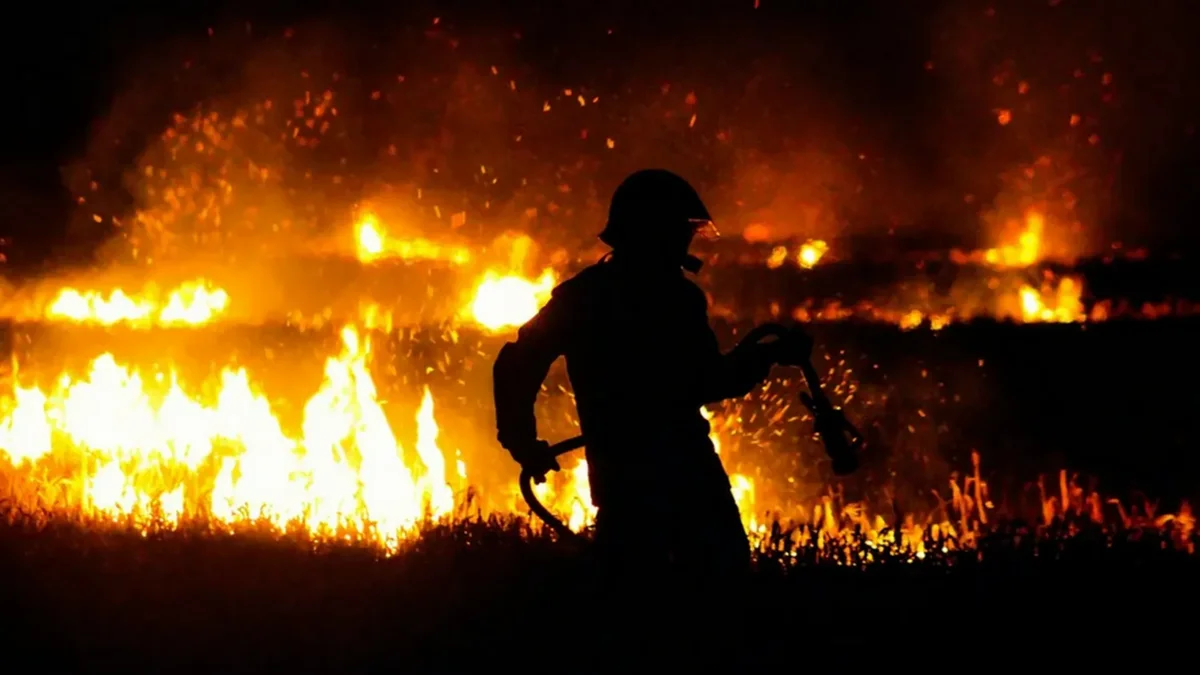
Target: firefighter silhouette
{"points": [[642, 360]]}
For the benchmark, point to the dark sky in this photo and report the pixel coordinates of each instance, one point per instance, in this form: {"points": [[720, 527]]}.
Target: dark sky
{"points": [[913, 82]]}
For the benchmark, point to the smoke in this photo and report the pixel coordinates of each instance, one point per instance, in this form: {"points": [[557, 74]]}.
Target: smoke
{"points": [[953, 118]]}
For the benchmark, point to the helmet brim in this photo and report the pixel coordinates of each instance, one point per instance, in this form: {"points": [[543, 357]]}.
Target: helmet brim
{"points": [[705, 229], [702, 228]]}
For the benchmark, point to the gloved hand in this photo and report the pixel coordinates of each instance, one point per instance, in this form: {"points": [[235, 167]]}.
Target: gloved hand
{"points": [[536, 458], [793, 350]]}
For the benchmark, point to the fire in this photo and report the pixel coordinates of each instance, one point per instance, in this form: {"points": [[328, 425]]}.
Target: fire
{"points": [[569, 493], [807, 255], [778, 256], [370, 239], [192, 304], [742, 486], [1053, 304], [144, 448], [372, 243], [134, 447], [811, 253], [440, 494], [1027, 249], [505, 301]]}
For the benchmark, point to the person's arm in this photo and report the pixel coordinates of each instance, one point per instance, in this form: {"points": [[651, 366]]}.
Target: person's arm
{"points": [[518, 372], [733, 374]]}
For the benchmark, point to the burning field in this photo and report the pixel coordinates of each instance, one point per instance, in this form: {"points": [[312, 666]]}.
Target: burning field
{"points": [[341, 464], [257, 412], [156, 409]]}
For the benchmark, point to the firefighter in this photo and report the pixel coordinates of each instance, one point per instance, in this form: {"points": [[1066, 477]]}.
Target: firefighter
{"points": [[642, 360]]}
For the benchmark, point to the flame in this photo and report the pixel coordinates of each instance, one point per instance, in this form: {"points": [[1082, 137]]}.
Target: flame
{"points": [[569, 493], [1027, 249], [133, 448], [811, 252], [372, 243], [778, 256], [505, 301], [192, 303], [147, 448], [440, 494], [807, 255], [1053, 304], [370, 239], [741, 485]]}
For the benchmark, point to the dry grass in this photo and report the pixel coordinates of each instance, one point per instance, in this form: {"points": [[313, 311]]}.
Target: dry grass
{"points": [[491, 592]]}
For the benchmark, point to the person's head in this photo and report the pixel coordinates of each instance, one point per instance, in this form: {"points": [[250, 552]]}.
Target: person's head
{"points": [[653, 217]]}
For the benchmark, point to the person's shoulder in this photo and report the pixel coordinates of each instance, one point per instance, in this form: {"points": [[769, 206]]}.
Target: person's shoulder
{"points": [[586, 282]]}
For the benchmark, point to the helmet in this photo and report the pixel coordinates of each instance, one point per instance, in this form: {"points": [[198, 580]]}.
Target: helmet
{"points": [[653, 207]]}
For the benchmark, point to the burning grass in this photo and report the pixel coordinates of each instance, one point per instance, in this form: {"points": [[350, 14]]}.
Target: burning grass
{"points": [[924, 553], [395, 429]]}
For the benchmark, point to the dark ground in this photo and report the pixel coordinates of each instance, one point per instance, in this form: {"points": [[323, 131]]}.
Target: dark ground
{"points": [[90, 602]]}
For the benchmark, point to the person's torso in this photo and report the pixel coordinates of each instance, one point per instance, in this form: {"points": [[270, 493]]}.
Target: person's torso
{"points": [[635, 360]]}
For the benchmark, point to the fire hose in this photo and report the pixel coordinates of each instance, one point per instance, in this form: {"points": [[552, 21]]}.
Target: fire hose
{"points": [[841, 439], [527, 479]]}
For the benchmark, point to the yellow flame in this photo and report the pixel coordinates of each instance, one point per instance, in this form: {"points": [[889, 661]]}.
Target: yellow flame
{"points": [[506, 301], [568, 493], [440, 494], [741, 485], [372, 243], [811, 253], [807, 255], [146, 447], [192, 303], [370, 239], [1053, 304]]}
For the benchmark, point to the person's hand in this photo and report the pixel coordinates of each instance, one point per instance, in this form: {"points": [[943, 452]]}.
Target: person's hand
{"points": [[795, 349], [536, 458]]}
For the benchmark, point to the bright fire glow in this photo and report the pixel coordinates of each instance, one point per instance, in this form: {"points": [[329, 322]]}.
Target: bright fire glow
{"points": [[192, 303], [1053, 304], [811, 252], [569, 494], [506, 301], [372, 244], [147, 448], [1027, 249], [132, 446], [807, 255], [741, 485]]}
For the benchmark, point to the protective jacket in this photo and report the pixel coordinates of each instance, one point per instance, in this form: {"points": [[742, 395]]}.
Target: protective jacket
{"points": [[642, 360]]}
